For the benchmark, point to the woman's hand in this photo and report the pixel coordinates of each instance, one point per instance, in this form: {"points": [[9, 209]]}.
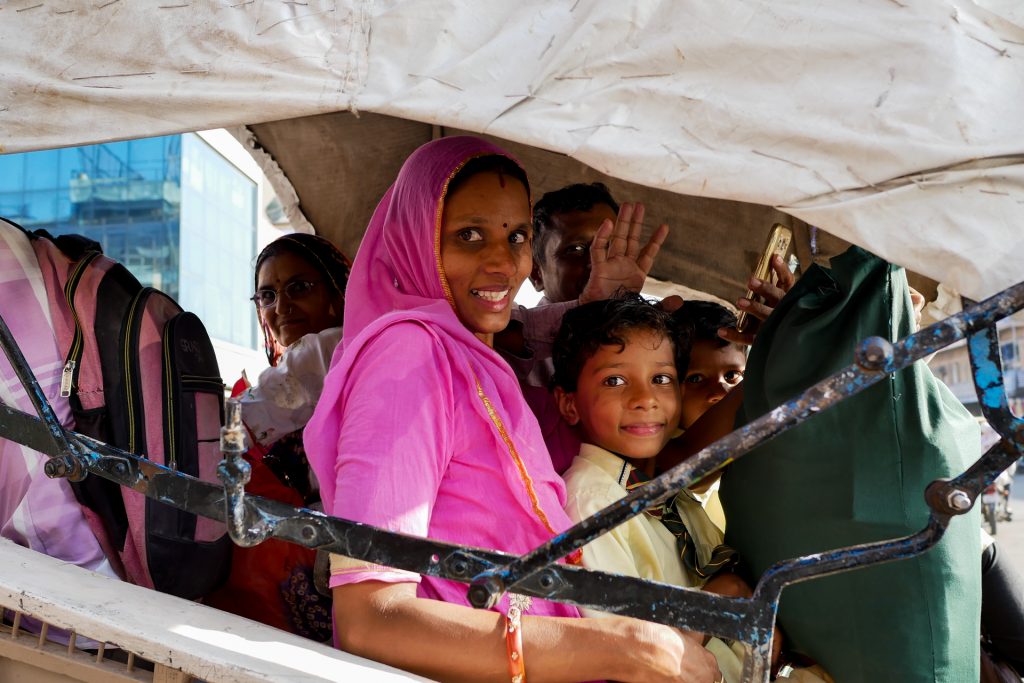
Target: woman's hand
{"points": [[771, 295], [678, 656], [918, 301], [616, 259]]}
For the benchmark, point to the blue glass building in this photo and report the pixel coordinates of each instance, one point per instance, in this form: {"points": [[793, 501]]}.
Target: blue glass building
{"points": [[175, 212]]}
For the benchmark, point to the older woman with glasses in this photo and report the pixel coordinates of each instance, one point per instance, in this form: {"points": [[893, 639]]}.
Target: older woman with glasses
{"points": [[300, 289], [300, 299], [300, 294]]}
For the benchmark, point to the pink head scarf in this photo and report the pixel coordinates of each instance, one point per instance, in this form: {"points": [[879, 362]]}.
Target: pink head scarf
{"points": [[397, 276], [398, 267]]}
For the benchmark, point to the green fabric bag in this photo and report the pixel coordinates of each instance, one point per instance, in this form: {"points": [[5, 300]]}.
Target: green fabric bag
{"points": [[856, 473]]}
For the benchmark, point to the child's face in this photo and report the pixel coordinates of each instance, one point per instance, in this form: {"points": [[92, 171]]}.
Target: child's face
{"points": [[627, 401], [713, 372]]}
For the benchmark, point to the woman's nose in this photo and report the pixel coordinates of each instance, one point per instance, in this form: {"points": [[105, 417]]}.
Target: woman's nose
{"points": [[282, 304], [500, 259]]}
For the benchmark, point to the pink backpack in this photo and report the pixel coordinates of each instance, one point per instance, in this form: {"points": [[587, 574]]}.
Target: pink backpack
{"points": [[141, 375]]}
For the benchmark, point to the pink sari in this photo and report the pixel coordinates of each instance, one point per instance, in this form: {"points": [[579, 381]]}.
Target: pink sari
{"points": [[421, 427]]}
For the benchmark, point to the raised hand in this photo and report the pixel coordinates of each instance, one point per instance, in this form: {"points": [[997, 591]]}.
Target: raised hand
{"points": [[617, 260], [771, 295]]}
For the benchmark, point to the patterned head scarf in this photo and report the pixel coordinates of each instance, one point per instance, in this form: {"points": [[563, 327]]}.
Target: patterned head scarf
{"points": [[320, 253]]}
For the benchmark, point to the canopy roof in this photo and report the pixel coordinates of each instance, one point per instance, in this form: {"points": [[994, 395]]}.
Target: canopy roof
{"points": [[897, 125]]}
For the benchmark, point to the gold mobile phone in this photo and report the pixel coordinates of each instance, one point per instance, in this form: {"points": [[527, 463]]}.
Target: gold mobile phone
{"points": [[779, 240]]}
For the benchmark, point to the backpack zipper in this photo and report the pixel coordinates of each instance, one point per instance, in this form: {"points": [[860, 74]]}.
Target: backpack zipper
{"points": [[128, 375], [69, 376], [171, 457]]}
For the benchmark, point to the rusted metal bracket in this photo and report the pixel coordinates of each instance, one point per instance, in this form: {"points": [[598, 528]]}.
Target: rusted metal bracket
{"points": [[246, 526], [252, 519]]}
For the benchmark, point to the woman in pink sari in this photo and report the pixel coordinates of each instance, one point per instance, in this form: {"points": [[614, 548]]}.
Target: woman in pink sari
{"points": [[422, 429]]}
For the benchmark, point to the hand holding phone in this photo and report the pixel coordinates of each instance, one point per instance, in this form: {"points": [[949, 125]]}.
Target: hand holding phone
{"points": [[779, 240]]}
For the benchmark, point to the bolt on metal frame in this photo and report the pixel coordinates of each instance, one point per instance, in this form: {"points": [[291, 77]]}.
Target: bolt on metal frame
{"points": [[251, 520]]}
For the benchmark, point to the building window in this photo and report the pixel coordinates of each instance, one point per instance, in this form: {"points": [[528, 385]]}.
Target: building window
{"points": [[218, 242], [178, 215]]}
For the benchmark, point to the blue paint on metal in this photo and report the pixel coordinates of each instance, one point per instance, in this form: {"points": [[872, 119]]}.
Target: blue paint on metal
{"points": [[987, 375]]}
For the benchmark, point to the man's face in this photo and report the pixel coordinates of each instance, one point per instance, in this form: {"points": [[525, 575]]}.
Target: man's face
{"points": [[563, 268]]}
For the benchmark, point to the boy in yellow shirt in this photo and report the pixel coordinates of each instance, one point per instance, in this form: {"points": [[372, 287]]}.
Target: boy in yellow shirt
{"points": [[617, 382]]}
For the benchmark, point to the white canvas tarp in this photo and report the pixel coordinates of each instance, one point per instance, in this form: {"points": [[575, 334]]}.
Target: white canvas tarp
{"points": [[895, 124]]}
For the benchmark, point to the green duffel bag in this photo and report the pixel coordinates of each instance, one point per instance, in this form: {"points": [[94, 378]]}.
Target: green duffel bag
{"points": [[857, 473]]}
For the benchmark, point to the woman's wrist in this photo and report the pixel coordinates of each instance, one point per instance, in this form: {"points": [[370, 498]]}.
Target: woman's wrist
{"points": [[650, 646], [655, 652], [561, 649], [635, 650]]}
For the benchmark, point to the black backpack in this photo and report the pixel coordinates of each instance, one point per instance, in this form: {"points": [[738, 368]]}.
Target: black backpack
{"points": [[140, 374]]}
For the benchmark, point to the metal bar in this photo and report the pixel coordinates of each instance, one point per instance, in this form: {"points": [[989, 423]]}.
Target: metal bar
{"points": [[875, 359], [961, 492], [768, 592], [28, 430], [725, 617], [739, 619], [628, 596], [778, 576], [38, 398], [757, 663], [987, 371]]}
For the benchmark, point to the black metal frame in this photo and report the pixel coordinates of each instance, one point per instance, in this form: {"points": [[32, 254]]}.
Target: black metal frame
{"points": [[251, 520]]}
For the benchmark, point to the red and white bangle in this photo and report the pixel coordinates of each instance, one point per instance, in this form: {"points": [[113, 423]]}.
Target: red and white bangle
{"points": [[517, 604]]}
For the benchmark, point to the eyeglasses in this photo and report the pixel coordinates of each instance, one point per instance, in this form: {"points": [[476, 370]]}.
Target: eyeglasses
{"points": [[294, 290]]}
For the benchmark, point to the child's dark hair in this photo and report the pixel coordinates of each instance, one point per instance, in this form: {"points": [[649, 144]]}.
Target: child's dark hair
{"points": [[705, 317], [588, 327], [578, 197]]}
